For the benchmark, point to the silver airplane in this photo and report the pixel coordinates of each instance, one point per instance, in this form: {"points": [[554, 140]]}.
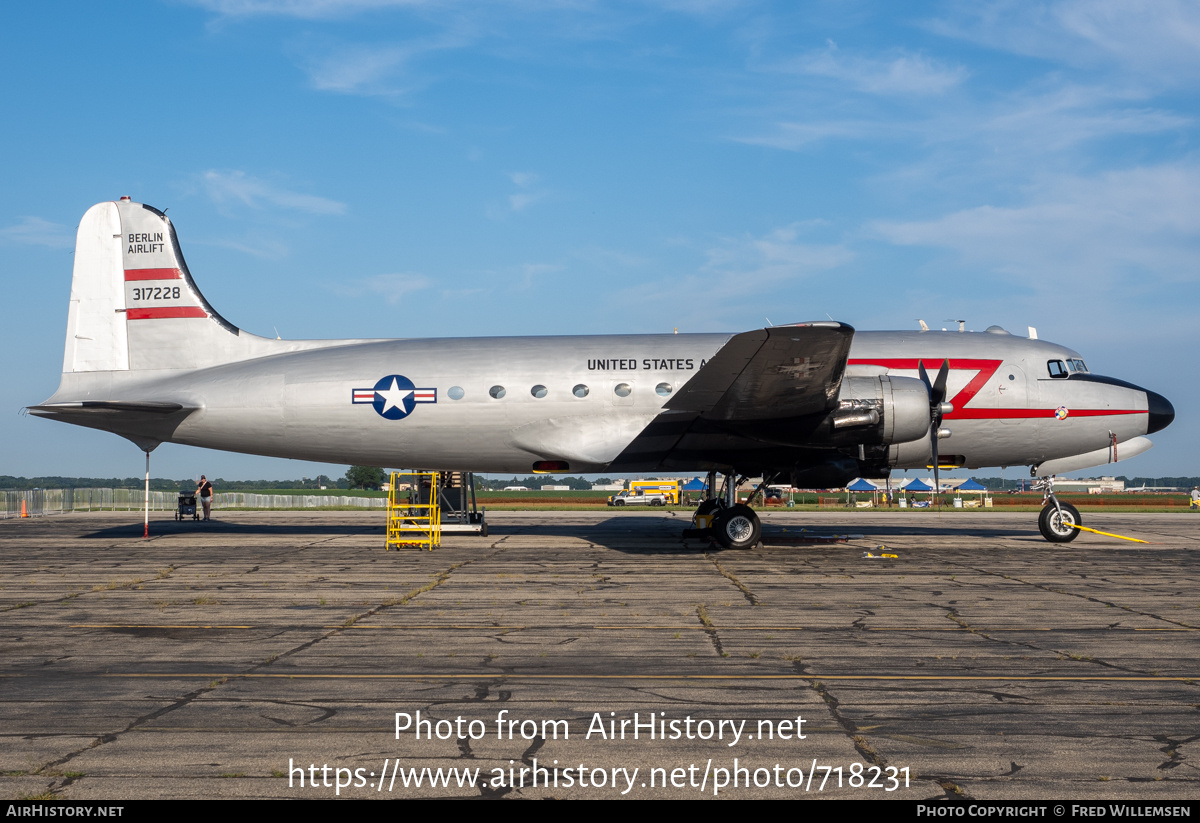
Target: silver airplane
{"points": [[813, 404]]}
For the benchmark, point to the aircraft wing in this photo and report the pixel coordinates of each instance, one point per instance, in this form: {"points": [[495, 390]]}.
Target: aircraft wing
{"points": [[739, 400], [779, 372]]}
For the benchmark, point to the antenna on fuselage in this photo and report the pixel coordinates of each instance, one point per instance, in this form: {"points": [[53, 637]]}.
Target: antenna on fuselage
{"points": [[924, 325], [1032, 333]]}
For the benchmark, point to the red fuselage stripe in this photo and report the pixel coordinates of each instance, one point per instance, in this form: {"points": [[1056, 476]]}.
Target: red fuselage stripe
{"points": [[165, 311], [152, 274], [985, 369]]}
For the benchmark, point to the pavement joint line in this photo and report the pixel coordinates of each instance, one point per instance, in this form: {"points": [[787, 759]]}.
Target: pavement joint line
{"points": [[952, 614], [679, 627], [1088, 598], [981, 678]]}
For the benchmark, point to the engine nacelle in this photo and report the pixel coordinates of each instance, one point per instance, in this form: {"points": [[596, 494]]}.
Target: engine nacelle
{"points": [[891, 409]]}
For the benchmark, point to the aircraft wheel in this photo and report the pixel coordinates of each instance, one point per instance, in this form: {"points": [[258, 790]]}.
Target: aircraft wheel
{"points": [[737, 527], [1056, 527]]}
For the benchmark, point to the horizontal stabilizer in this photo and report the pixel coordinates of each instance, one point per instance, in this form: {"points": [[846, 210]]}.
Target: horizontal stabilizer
{"points": [[144, 422], [147, 406]]}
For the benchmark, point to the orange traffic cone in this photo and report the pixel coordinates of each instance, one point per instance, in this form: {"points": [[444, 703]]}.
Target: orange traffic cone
{"points": [[24, 513]]}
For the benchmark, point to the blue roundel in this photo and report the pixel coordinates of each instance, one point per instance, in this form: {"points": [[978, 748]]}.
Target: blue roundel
{"points": [[395, 397]]}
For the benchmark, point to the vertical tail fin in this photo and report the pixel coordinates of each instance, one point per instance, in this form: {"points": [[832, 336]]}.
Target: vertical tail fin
{"points": [[134, 304]]}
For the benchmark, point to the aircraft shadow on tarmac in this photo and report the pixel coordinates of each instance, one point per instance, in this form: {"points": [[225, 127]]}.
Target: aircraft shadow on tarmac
{"points": [[171, 528], [637, 535]]}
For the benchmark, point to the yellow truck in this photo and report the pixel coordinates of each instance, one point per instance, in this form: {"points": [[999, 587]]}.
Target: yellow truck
{"points": [[670, 489]]}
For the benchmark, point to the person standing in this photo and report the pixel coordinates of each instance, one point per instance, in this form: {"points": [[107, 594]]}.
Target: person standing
{"points": [[205, 490], [1195, 498]]}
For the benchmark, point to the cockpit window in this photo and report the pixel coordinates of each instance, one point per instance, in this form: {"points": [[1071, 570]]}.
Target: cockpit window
{"points": [[1057, 368], [1077, 366]]}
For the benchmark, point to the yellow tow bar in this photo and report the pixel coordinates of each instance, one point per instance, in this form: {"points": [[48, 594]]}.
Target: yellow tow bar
{"points": [[1107, 534]]}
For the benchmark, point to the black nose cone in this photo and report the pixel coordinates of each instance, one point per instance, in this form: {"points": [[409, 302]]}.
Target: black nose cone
{"points": [[1161, 412]]}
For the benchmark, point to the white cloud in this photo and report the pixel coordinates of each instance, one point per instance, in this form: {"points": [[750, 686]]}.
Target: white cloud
{"points": [[1077, 232], [793, 136], [774, 257], [528, 191], [903, 73], [304, 9], [379, 70], [34, 231], [236, 186], [391, 287], [1159, 40], [1070, 114], [356, 70], [265, 248]]}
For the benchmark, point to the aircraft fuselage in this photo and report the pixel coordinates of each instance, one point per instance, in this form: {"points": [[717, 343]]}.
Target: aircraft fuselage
{"points": [[1008, 410]]}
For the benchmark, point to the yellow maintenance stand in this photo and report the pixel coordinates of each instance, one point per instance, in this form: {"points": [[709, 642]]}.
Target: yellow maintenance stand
{"points": [[414, 515]]}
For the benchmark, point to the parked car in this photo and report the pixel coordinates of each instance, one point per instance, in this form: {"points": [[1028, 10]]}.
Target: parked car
{"points": [[637, 498]]}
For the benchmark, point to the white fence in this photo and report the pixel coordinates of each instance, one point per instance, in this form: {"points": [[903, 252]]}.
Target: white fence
{"points": [[55, 501]]}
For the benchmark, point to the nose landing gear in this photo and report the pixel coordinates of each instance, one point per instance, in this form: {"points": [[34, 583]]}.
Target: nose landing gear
{"points": [[1057, 520]]}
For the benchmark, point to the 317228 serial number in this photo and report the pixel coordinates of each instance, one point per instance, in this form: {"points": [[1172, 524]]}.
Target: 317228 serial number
{"points": [[156, 293]]}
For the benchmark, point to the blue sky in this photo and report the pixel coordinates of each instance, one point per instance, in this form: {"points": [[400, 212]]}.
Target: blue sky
{"points": [[367, 168]]}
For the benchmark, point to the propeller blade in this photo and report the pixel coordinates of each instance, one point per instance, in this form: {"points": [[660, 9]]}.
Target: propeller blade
{"points": [[937, 485], [924, 377], [938, 394]]}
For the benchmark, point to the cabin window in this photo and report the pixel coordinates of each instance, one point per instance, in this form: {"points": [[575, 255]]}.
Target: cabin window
{"points": [[580, 390], [539, 391], [496, 392], [1057, 369], [663, 389], [622, 389], [456, 393]]}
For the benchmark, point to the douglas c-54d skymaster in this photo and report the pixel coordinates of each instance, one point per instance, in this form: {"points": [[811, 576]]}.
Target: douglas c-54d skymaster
{"points": [[813, 404]]}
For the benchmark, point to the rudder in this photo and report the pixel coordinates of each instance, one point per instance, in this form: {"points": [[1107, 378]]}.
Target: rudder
{"points": [[134, 304]]}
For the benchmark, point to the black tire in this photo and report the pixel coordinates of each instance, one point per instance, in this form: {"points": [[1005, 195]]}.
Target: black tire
{"points": [[1055, 527], [737, 527], [656, 502], [618, 502], [483, 529]]}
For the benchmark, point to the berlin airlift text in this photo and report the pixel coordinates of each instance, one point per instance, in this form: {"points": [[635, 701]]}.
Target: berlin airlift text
{"points": [[145, 242]]}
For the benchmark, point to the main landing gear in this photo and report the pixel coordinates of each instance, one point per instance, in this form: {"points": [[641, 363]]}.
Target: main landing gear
{"points": [[1058, 520], [733, 525]]}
